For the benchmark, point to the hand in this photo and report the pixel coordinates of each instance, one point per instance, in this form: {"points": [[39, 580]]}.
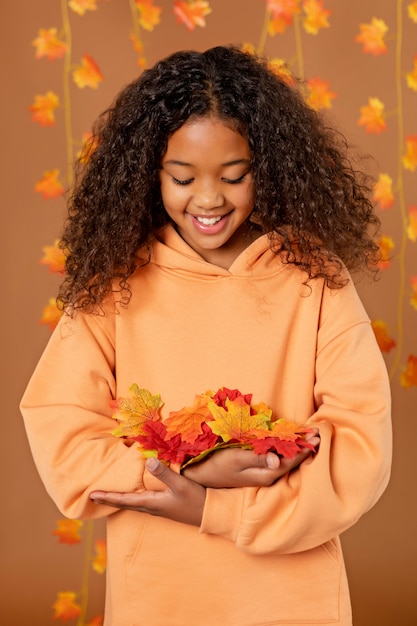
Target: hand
{"points": [[183, 501], [236, 467]]}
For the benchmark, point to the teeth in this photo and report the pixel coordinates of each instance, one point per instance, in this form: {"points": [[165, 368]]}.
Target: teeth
{"points": [[209, 221]]}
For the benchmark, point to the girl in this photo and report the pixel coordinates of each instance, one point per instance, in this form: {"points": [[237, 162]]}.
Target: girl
{"points": [[209, 240]]}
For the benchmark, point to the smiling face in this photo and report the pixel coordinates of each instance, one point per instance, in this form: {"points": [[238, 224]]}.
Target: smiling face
{"points": [[207, 188]]}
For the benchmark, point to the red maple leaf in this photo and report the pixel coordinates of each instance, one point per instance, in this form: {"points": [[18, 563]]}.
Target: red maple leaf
{"points": [[282, 447]]}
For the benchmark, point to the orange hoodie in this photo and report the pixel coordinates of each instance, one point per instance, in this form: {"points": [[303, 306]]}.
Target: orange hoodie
{"points": [[262, 556]]}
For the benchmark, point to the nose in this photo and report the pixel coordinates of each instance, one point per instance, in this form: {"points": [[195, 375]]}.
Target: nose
{"points": [[208, 196]]}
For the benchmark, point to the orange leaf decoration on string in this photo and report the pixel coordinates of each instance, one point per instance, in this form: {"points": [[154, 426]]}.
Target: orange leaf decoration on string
{"points": [[281, 69], [371, 37], [412, 76], [384, 340], [54, 258], [372, 116], [43, 108], [138, 47], [87, 74], [68, 531], [49, 185], [51, 314], [282, 14], [48, 45], [319, 96], [96, 621], [133, 413], [89, 144], [192, 13], [410, 158], [316, 16], [408, 377], [81, 6], [235, 421], [99, 562], [383, 191], [66, 607], [412, 11], [188, 420], [412, 223], [413, 283], [386, 246], [149, 15]]}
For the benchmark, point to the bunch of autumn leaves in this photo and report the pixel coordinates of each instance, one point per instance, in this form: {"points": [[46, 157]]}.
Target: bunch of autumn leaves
{"points": [[222, 419]]}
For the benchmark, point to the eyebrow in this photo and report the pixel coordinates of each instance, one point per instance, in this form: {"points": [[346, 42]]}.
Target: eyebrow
{"points": [[235, 162]]}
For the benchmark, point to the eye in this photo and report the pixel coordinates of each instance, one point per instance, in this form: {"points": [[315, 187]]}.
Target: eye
{"points": [[176, 181], [235, 181]]}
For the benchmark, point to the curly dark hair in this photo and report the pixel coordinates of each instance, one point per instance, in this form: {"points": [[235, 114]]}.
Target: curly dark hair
{"points": [[307, 192]]}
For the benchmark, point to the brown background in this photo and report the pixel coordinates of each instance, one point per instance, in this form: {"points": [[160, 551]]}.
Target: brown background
{"points": [[380, 551]]}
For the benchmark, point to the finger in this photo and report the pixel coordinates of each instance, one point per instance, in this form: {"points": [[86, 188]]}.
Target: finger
{"points": [[116, 499], [163, 473]]}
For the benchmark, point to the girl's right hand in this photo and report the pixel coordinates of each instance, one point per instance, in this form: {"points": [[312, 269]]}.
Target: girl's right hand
{"points": [[236, 467]]}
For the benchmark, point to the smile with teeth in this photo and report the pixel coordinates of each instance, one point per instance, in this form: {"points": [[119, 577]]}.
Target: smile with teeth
{"points": [[209, 221]]}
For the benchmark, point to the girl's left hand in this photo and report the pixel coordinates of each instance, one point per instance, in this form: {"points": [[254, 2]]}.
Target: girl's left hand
{"points": [[183, 501]]}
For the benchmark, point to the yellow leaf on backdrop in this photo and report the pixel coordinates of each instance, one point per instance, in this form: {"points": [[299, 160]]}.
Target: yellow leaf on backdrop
{"points": [[315, 16]]}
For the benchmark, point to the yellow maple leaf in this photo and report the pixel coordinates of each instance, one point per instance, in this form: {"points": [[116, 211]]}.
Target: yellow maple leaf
{"points": [[248, 48], [413, 283], [373, 116], [149, 15], [410, 158], [408, 377], [99, 562], [371, 37], [383, 191], [43, 108], [87, 74], [53, 257], [51, 314], [315, 16], [188, 420], [49, 185], [48, 44], [65, 606], [383, 338], [282, 14], [319, 96], [412, 76], [68, 531], [236, 420], [192, 13], [138, 47], [412, 223], [132, 413], [412, 11], [281, 69], [386, 246], [81, 6]]}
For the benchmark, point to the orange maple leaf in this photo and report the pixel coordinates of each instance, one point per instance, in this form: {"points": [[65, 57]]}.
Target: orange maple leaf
{"points": [[66, 607], [99, 562], [88, 145], [192, 13], [410, 158], [49, 185], [412, 76], [51, 314], [319, 96], [138, 47], [413, 283], [372, 37], [96, 621], [282, 14], [68, 531], [281, 69], [412, 223], [408, 377], [287, 431], [149, 15], [43, 108], [87, 74], [412, 11], [48, 45], [132, 413], [188, 420], [81, 6], [315, 16], [384, 340], [236, 420], [54, 257], [383, 191], [386, 246], [373, 117]]}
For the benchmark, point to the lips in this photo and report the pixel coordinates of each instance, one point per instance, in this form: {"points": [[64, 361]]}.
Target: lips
{"points": [[210, 225]]}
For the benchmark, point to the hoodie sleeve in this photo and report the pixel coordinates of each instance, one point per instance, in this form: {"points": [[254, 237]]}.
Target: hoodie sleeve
{"points": [[68, 418], [328, 493]]}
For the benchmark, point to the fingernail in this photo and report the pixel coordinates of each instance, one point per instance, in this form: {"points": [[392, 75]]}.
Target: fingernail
{"points": [[152, 464], [272, 461]]}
